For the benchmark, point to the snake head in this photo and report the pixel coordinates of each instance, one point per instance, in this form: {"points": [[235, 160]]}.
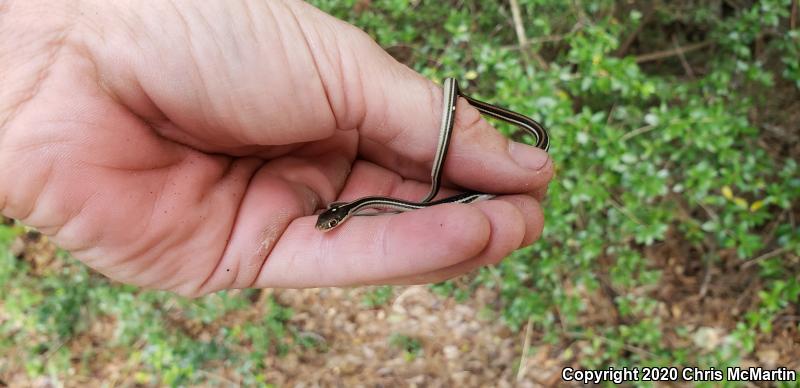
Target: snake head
{"points": [[331, 217]]}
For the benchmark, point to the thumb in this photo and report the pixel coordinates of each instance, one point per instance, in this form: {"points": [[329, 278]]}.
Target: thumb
{"points": [[398, 114]]}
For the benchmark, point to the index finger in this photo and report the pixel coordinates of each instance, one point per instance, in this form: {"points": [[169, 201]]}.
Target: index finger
{"points": [[401, 130]]}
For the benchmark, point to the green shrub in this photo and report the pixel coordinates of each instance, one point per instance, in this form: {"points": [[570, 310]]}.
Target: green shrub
{"points": [[646, 155]]}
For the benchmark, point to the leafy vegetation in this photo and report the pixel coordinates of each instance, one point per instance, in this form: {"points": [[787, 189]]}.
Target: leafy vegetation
{"points": [[170, 336], [675, 139], [647, 157], [378, 297], [411, 347]]}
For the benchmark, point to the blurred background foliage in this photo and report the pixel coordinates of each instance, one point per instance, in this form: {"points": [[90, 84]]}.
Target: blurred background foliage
{"points": [[675, 133]]}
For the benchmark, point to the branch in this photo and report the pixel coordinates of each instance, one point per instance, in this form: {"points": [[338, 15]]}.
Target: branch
{"points": [[686, 67], [768, 255], [534, 41], [516, 15], [654, 56], [623, 48], [637, 131], [635, 349], [526, 345]]}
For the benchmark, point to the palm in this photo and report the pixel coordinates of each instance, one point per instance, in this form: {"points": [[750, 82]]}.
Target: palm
{"points": [[168, 210]]}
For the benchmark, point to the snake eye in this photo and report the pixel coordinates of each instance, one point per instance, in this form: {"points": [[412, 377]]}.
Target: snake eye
{"points": [[332, 223]]}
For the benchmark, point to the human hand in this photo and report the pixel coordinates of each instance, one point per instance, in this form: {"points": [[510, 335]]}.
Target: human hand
{"points": [[186, 146]]}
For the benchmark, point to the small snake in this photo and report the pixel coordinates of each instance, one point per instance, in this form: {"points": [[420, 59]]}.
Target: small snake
{"points": [[339, 212]]}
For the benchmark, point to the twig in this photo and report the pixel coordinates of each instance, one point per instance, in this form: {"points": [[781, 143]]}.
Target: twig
{"points": [[522, 40], [623, 210], [706, 277], [709, 211], [610, 294], [780, 132], [789, 318], [498, 280], [623, 48], [637, 131], [219, 378], [610, 113], [768, 255], [447, 47], [577, 7], [54, 349], [686, 67], [534, 41], [654, 56], [127, 369], [317, 337], [516, 15], [526, 344], [607, 340], [770, 229], [579, 220], [560, 317], [545, 39]]}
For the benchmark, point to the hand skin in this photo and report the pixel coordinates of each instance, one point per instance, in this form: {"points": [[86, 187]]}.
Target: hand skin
{"points": [[187, 145]]}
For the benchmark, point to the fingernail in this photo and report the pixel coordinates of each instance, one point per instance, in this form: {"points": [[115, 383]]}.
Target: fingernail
{"points": [[527, 156]]}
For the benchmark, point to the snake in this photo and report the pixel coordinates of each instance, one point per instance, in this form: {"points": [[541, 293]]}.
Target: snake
{"points": [[338, 212]]}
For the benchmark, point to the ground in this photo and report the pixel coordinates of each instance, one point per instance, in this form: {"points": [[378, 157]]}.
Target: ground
{"points": [[419, 338]]}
